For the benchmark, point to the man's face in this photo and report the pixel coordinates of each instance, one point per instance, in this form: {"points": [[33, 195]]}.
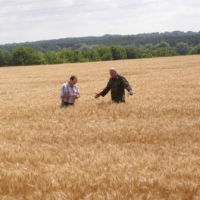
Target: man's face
{"points": [[113, 74], [73, 82]]}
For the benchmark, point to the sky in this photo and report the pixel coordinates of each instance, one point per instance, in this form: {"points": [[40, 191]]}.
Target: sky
{"points": [[35, 20]]}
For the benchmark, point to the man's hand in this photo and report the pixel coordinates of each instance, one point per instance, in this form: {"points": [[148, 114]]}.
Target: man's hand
{"points": [[75, 96], [131, 92], [96, 95]]}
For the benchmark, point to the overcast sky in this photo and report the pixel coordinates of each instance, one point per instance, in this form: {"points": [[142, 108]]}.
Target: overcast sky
{"points": [[33, 20]]}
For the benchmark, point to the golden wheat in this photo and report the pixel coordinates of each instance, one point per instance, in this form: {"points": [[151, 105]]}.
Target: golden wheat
{"points": [[145, 149]]}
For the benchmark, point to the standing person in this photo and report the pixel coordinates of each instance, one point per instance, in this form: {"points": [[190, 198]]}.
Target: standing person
{"points": [[69, 92], [116, 84]]}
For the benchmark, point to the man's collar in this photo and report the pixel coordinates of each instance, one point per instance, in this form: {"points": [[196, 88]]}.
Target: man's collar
{"points": [[116, 77]]}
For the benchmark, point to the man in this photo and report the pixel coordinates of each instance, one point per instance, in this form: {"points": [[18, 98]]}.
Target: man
{"points": [[116, 84], [69, 92]]}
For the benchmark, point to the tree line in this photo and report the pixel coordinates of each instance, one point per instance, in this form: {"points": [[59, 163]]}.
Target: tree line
{"points": [[84, 53], [107, 47], [172, 38]]}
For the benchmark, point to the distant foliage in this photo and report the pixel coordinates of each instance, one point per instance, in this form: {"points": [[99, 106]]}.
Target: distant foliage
{"points": [[26, 56], [118, 52], [195, 50], [92, 55], [52, 58], [108, 47], [162, 44], [164, 52], [66, 55], [105, 53], [182, 48], [133, 52], [79, 57], [5, 58]]}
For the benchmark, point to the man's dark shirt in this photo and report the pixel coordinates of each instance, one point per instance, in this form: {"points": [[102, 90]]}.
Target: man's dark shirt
{"points": [[117, 86]]}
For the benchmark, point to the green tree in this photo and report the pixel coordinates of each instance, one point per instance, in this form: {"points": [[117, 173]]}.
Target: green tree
{"points": [[105, 53], [182, 48], [118, 52], [81, 47], [79, 57], [162, 44], [92, 55], [195, 50], [132, 52], [26, 56], [148, 46], [52, 58], [1, 58], [67, 55], [147, 53], [5, 58], [198, 49], [165, 51]]}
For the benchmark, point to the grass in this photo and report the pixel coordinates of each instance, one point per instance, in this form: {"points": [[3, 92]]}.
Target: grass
{"points": [[145, 149]]}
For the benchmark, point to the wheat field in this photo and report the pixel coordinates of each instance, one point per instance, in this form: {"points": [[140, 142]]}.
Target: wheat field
{"points": [[145, 149]]}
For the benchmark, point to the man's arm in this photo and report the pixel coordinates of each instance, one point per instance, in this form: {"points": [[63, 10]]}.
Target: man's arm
{"points": [[77, 94], [127, 86], [67, 96], [105, 91]]}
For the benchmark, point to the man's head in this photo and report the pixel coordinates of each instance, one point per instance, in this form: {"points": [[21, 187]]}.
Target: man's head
{"points": [[73, 80], [113, 72]]}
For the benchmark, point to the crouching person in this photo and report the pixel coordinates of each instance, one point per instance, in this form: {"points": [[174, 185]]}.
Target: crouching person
{"points": [[69, 92]]}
